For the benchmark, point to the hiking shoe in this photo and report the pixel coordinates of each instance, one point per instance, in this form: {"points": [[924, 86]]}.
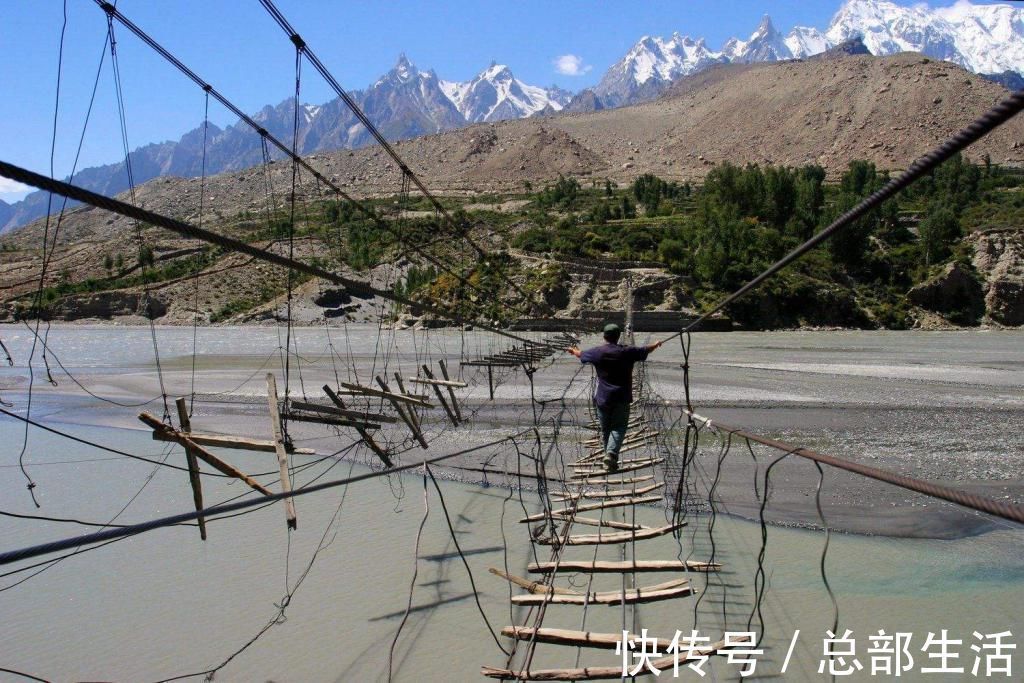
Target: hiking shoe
{"points": [[611, 464]]}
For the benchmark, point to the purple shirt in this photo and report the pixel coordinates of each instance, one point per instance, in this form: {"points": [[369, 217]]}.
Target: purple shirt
{"points": [[614, 367]]}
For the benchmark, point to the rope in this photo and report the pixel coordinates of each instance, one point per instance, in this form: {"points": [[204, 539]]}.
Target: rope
{"points": [[1014, 513]]}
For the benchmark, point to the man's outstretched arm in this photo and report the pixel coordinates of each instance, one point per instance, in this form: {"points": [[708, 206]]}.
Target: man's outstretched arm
{"points": [[574, 351]]}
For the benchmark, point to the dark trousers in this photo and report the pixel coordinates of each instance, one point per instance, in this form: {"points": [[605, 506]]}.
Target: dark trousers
{"points": [[614, 418]]}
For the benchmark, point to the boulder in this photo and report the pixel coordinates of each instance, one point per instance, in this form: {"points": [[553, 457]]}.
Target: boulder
{"points": [[955, 293], [332, 297], [109, 305], [999, 259]]}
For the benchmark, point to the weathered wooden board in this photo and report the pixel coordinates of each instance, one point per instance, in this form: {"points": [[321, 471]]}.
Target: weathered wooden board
{"points": [[622, 567], [613, 537], [614, 503], [663, 591], [282, 454]]}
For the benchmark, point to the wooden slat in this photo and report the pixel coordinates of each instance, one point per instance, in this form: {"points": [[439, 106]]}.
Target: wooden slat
{"points": [[407, 416], [282, 454], [629, 462], [436, 382], [622, 567], [402, 398], [338, 412], [328, 420], [610, 494], [610, 523], [632, 596], [597, 474], [451, 390], [203, 454], [367, 439], [600, 673], [614, 537], [440, 396], [193, 466], [535, 587], [235, 442], [560, 636], [614, 503]]}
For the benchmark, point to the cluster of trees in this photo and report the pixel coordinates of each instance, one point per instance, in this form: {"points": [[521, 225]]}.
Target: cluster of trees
{"points": [[745, 218]]}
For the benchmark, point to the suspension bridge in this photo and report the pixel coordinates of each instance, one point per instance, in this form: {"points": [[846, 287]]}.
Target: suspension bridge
{"points": [[403, 417]]}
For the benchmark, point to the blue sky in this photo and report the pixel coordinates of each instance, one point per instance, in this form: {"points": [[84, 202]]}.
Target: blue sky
{"points": [[235, 46]]}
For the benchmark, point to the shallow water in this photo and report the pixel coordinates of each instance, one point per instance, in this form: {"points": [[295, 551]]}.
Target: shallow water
{"points": [[165, 603]]}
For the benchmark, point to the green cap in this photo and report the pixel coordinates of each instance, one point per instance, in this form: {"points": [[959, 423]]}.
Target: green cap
{"points": [[611, 328]]}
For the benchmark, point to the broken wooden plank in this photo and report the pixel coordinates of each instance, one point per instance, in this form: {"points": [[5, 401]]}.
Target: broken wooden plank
{"points": [[482, 363], [402, 398], [602, 641], [451, 390], [597, 474], [602, 673], [193, 466], [622, 567], [367, 439], [610, 523], [203, 454], [408, 418], [282, 454], [614, 537], [614, 503], [436, 382], [332, 421], [533, 586], [611, 494], [409, 409], [663, 591], [440, 396], [235, 442], [354, 415]]}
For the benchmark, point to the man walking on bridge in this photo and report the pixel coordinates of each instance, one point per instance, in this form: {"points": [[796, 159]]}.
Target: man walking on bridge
{"points": [[614, 367]]}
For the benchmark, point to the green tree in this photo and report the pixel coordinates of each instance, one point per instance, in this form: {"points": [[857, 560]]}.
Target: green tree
{"points": [[939, 230], [146, 257], [108, 263]]}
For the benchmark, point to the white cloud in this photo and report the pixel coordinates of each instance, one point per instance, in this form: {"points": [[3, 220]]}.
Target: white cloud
{"points": [[12, 190], [571, 65]]}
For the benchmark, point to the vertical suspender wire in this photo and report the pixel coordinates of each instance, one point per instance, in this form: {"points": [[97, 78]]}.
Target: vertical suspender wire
{"points": [[30, 485], [195, 312], [291, 238], [147, 306]]}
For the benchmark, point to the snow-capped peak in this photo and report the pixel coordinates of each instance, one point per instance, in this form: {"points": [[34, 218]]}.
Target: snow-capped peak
{"points": [[495, 94], [983, 38]]}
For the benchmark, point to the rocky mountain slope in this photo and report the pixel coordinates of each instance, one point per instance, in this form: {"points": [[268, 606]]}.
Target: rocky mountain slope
{"points": [[826, 111], [407, 102]]}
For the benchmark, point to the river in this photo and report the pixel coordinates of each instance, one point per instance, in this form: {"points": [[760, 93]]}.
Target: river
{"points": [[164, 603]]}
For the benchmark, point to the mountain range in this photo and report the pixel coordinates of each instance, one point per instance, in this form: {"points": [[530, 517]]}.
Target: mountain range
{"points": [[407, 102]]}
